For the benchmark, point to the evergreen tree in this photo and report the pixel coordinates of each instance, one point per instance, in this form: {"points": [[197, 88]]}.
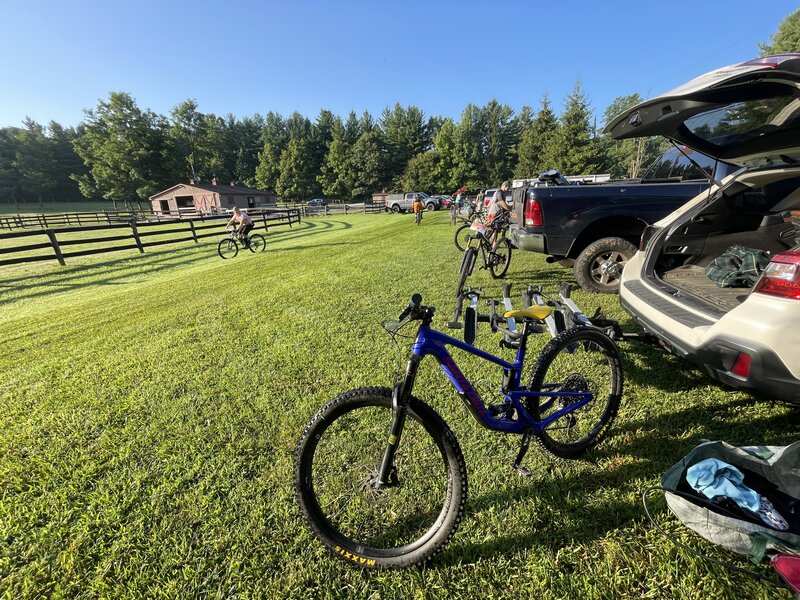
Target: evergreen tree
{"points": [[786, 39], [68, 163], [405, 134], [501, 134], [535, 142], [332, 175], [447, 173], [573, 145], [275, 138], [297, 177], [9, 176], [247, 134], [35, 161]]}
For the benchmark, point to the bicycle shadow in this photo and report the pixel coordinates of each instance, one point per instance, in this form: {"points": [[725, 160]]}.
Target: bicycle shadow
{"points": [[575, 509]]}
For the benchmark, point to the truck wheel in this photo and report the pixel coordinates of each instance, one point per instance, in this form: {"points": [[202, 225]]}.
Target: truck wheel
{"points": [[395, 208], [599, 267], [430, 206]]}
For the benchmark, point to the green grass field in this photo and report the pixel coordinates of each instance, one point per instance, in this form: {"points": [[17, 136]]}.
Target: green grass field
{"points": [[150, 405]]}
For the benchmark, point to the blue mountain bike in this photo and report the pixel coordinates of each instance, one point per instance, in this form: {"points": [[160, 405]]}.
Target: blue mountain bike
{"points": [[380, 476]]}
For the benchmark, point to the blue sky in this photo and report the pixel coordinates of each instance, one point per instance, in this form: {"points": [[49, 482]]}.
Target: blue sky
{"points": [[59, 58]]}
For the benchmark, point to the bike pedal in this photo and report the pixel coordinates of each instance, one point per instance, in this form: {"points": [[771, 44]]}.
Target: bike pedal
{"points": [[455, 325], [523, 471]]}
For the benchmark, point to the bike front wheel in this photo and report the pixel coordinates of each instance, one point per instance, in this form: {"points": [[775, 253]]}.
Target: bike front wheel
{"points": [[228, 248], [403, 523], [500, 258], [580, 360], [257, 243]]}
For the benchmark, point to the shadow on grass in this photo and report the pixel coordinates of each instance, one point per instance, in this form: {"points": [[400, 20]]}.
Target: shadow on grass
{"points": [[73, 278], [583, 513]]}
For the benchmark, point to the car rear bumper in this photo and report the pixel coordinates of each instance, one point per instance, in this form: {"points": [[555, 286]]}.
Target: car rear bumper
{"points": [[768, 376], [531, 242]]}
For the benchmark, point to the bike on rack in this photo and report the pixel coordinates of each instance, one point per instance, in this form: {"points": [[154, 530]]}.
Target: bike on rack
{"points": [[380, 476], [229, 247], [495, 249]]}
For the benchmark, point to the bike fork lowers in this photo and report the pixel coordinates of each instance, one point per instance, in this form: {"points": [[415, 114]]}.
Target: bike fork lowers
{"points": [[400, 397]]}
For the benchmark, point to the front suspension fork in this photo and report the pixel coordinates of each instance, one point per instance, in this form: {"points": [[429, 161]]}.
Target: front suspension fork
{"points": [[387, 475]]}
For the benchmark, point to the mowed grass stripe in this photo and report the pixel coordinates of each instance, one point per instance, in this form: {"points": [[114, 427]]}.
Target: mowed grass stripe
{"points": [[150, 404]]}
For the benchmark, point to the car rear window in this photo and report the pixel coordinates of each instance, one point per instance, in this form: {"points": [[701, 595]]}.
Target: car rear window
{"points": [[739, 121]]}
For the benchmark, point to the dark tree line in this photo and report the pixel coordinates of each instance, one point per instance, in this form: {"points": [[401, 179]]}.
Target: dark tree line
{"points": [[124, 153]]}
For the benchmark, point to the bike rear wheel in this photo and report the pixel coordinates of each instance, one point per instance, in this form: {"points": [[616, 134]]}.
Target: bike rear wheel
{"points": [[461, 237], [401, 524], [418, 217], [257, 243], [467, 264], [228, 248], [581, 359], [500, 258]]}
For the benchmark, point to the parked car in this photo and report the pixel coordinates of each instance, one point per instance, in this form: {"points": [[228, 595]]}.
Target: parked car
{"points": [[318, 202], [403, 202], [748, 338], [445, 200]]}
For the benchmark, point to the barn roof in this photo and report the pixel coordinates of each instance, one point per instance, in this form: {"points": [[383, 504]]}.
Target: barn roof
{"points": [[219, 189]]}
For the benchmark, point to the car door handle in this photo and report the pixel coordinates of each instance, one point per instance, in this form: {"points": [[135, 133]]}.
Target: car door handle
{"points": [[700, 219]]}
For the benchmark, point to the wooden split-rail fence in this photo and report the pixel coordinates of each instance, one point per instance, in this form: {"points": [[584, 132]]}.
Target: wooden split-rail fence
{"points": [[131, 235]]}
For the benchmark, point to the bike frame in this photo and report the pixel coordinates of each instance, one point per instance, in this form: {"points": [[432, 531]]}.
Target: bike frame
{"points": [[432, 342]]}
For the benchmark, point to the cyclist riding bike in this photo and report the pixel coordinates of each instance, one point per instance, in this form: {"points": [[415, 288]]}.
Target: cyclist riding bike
{"points": [[417, 205], [244, 221], [499, 213]]}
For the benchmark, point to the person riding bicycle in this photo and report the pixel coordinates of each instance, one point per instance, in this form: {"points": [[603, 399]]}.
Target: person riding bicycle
{"points": [[416, 205], [244, 221], [499, 211]]}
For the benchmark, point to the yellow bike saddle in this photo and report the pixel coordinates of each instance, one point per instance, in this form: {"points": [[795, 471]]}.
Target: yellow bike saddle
{"points": [[537, 313]]}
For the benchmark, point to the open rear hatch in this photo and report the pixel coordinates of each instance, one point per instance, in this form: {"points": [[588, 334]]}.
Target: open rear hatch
{"points": [[746, 114]]}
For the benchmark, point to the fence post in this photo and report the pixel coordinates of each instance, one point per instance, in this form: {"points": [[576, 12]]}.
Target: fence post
{"points": [[289, 215], [194, 233], [105, 212], [56, 248], [264, 217], [78, 216], [136, 236]]}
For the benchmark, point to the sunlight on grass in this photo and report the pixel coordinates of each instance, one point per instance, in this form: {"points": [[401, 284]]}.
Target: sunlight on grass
{"points": [[150, 405]]}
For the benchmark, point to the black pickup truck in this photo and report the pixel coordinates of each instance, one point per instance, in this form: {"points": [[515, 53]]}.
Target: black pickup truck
{"points": [[595, 228]]}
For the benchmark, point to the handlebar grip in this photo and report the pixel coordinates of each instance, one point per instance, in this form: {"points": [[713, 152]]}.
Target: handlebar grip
{"points": [[413, 304]]}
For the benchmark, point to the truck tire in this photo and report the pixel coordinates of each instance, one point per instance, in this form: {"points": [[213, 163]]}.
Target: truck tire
{"points": [[395, 208], [430, 206], [598, 268]]}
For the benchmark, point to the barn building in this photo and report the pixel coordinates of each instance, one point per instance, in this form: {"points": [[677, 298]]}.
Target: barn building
{"points": [[208, 198]]}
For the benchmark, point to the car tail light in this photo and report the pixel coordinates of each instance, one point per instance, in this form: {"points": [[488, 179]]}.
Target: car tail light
{"points": [[742, 365], [533, 213], [788, 567], [646, 235], [781, 277]]}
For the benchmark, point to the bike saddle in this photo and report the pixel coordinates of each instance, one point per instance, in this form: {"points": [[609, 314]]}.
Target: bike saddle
{"points": [[536, 313]]}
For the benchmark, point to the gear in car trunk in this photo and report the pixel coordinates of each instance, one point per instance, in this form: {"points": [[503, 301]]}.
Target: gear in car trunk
{"points": [[761, 216]]}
